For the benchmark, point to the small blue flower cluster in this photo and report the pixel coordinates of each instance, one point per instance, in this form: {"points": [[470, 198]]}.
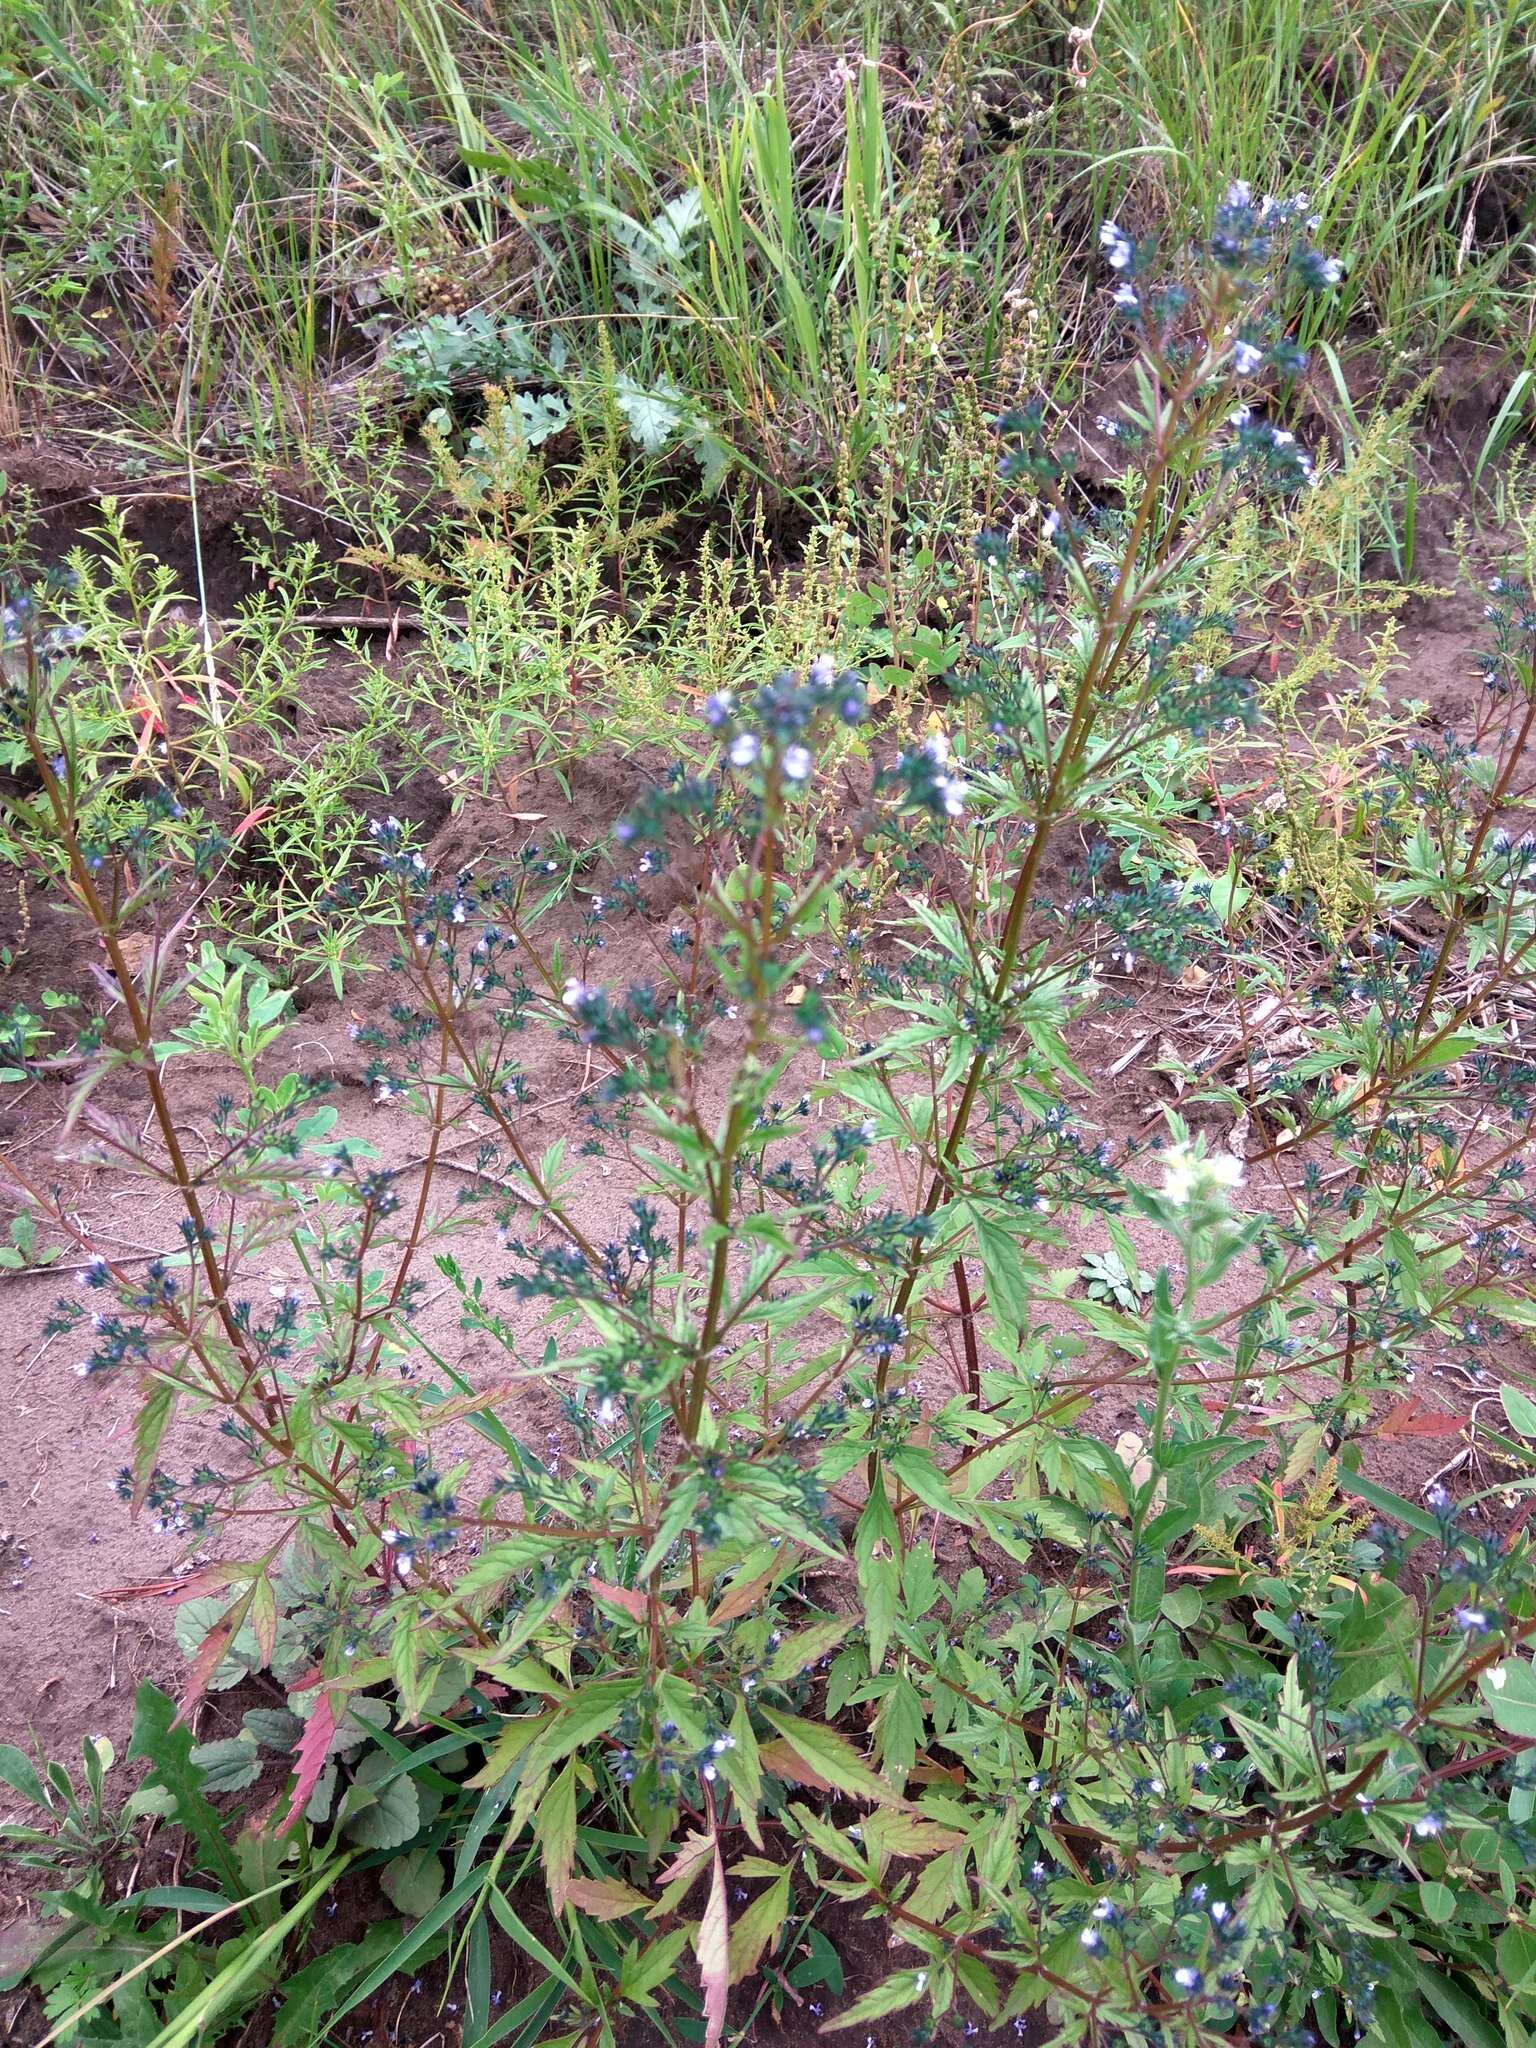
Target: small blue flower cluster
{"points": [[774, 727]]}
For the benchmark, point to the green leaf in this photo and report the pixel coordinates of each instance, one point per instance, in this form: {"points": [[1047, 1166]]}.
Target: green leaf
{"points": [[905, 1988], [18, 1771], [413, 1882], [646, 1972], [1465, 2015], [382, 1810], [168, 1750], [584, 1716], [1009, 1294], [831, 1756], [1418, 1519], [807, 1646], [1437, 1902], [273, 1727], [757, 1927], [1183, 1606], [1520, 1409], [311, 1994], [875, 1549], [229, 1765], [915, 1468], [554, 1829], [1510, 1691], [150, 1424]]}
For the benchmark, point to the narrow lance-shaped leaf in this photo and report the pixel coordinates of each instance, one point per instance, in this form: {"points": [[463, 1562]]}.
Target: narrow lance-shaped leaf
{"points": [[314, 1746], [715, 1951]]}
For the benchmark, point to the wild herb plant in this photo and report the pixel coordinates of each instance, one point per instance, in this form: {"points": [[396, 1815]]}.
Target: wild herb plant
{"points": [[835, 1593]]}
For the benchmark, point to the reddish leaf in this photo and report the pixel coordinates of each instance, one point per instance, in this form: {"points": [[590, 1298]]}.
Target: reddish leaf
{"points": [[193, 1586], [714, 1946], [264, 1619], [605, 1898], [314, 1746], [619, 1596], [690, 1858], [1412, 1418], [780, 1761], [210, 1655]]}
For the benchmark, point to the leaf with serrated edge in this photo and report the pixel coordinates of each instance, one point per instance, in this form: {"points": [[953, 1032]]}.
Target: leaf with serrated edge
{"points": [[714, 1951]]}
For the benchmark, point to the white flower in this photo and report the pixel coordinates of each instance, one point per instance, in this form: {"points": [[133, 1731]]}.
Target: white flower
{"points": [[1050, 525], [821, 671], [1190, 1175], [575, 993], [797, 763], [1427, 1824], [1246, 357], [1117, 245], [745, 749], [1126, 299]]}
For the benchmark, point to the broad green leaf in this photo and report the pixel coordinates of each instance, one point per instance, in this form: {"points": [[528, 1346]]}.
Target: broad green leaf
{"points": [[229, 1765], [382, 1810], [1509, 1688], [413, 1882], [905, 1988]]}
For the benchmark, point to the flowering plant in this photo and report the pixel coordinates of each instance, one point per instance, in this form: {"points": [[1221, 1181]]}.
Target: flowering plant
{"points": [[832, 1589]]}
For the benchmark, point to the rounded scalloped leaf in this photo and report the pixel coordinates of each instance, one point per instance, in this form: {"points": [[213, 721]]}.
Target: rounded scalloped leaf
{"points": [[363, 1718], [194, 1618], [228, 1765], [414, 1883], [382, 1812], [273, 1727]]}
